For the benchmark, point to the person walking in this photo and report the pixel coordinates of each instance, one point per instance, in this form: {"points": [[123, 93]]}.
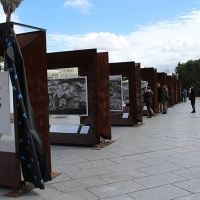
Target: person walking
{"points": [[164, 98], [159, 92], [184, 95], [193, 97], [148, 100]]}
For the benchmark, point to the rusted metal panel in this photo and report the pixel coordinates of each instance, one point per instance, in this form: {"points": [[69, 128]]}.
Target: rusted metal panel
{"points": [[33, 48], [86, 61], [132, 72], [175, 91], [162, 78], [150, 75], [9, 170], [104, 95], [170, 83]]}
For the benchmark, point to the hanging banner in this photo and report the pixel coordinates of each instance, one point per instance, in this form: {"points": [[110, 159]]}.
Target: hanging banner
{"points": [[4, 104]]}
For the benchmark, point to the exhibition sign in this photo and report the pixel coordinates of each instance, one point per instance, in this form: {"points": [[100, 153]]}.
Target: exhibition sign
{"points": [[4, 104], [68, 96], [116, 93]]}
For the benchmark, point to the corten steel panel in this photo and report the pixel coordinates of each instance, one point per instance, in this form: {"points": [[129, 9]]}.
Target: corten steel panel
{"points": [[162, 78], [132, 72], [150, 75], [86, 61], [137, 93], [175, 91], [33, 47], [170, 83], [9, 170], [178, 91], [104, 95]]}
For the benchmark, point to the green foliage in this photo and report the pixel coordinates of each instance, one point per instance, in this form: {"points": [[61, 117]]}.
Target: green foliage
{"points": [[189, 73], [1, 60]]}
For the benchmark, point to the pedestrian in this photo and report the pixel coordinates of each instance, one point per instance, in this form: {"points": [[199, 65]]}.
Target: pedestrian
{"points": [[193, 97], [164, 98], [184, 95], [159, 92], [148, 100]]}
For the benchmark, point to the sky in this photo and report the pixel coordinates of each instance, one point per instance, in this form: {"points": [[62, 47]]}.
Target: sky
{"points": [[154, 33]]}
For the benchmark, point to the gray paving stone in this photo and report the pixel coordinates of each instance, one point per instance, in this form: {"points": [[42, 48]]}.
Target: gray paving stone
{"points": [[190, 197], [121, 197], [188, 163], [116, 189], [84, 194], [192, 185], [159, 180], [167, 192], [126, 166], [189, 173], [160, 169], [122, 176]]}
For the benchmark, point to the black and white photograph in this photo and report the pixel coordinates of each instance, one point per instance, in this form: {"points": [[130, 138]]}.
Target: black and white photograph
{"points": [[68, 96], [125, 88], [144, 85], [116, 94]]}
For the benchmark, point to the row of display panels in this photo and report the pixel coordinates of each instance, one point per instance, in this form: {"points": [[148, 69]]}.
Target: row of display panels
{"points": [[69, 95]]}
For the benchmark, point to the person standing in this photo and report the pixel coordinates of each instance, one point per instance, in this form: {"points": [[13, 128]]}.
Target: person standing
{"points": [[184, 95], [159, 92], [148, 100], [193, 97], [164, 98]]}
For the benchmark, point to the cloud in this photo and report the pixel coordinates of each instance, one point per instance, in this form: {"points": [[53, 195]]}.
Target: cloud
{"points": [[82, 5], [161, 45]]}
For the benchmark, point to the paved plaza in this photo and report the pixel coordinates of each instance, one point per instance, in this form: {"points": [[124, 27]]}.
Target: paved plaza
{"points": [[159, 160]]}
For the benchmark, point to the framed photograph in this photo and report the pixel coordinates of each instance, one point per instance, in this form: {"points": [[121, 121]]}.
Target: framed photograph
{"points": [[125, 88], [144, 85], [4, 104], [116, 94], [68, 96]]}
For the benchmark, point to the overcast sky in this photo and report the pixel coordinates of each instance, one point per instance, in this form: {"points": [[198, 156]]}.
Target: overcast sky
{"points": [[155, 33]]}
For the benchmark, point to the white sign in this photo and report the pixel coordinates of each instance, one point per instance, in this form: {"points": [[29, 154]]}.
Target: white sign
{"points": [[64, 129], [144, 108], [5, 127], [84, 129], [125, 115]]}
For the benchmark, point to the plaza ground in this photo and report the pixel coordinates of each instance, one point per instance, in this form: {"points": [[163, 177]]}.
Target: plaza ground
{"points": [[159, 160]]}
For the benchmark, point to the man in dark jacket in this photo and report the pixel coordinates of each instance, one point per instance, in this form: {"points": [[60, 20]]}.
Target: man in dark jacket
{"points": [[148, 100], [159, 92], [193, 97]]}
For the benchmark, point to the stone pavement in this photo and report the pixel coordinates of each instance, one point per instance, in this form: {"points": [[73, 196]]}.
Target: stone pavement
{"points": [[159, 160]]}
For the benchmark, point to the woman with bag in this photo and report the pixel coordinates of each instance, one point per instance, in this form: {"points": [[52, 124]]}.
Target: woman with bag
{"points": [[148, 100], [164, 98]]}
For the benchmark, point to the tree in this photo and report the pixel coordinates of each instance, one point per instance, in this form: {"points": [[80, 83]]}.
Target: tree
{"points": [[1, 60], [189, 73]]}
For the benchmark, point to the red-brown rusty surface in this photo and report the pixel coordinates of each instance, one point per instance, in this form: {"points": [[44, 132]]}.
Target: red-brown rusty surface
{"points": [[9, 170], [150, 75], [33, 47], [132, 72], [175, 91], [86, 61], [162, 78], [170, 84], [104, 95]]}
